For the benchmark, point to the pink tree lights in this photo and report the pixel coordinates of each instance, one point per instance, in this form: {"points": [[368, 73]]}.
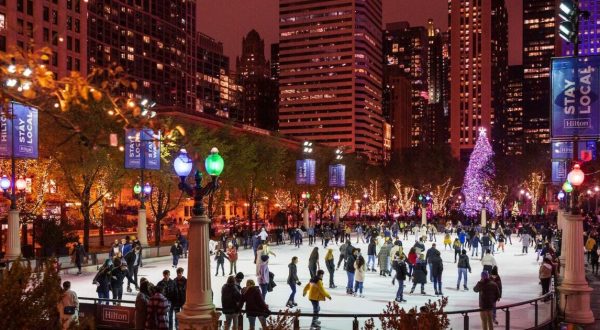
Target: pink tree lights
{"points": [[478, 178]]}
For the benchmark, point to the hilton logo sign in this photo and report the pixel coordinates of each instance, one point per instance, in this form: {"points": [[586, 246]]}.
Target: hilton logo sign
{"points": [[115, 315], [106, 316]]}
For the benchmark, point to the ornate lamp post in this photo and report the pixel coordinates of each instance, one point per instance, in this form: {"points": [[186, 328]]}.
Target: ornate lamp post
{"points": [[199, 311], [336, 200], [483, 200], [424, 200], [305, 216]]}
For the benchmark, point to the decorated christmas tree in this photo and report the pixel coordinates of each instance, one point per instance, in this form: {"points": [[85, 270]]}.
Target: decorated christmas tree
{"points": [[478, 177]]}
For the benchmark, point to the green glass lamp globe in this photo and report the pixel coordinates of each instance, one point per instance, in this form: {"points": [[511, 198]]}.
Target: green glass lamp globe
{"points": [[137, 189], [567, 187], [214, 163]]}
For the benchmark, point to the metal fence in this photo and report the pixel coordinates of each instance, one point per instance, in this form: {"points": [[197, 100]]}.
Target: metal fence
{"points": [[530, 314]]}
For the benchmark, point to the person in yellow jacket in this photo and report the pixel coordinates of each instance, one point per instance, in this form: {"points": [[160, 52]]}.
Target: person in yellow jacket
{"points": [[589, 245], [316, 293]]}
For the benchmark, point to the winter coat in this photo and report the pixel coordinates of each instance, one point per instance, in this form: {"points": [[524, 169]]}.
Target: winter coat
{"points": [[263, 273], [231, 297], [117, 276], [141, 310], [463, 262], [350, 263], [546, 270], [488, 260], [232, 254], [169, 289], [412, 258], [316, 290], [456, 246], [176, 250], [292, 274], [420, 272], [475, 241], [102, 278], [401, 270], [462, 237], [382, 257], [330, 264], [359, 274], [430, 253], [498, 282], [220, 257], [79, 254], [437, 265], [255, 304], [130, 259], [371, 249], [180, 287], [157, 312], [526, 239], [489, 293], [486, 241]]}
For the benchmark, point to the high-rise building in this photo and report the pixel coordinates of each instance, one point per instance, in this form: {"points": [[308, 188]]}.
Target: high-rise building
{"points": [[331, 73], [258, 106], [214, 90], [589, 36], [437, 118], [479, 55], [512, 144], [406, 48], [398, 96], [60, 25], [539, 46], [275, 61], [154, 41]]}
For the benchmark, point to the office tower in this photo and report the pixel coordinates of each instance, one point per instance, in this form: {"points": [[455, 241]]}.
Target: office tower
{"points": [[515, 98], [479, 56], [258, 106], [60, 25], [437, 119], [540, 44], [589, 36], [331, 73], [212, 85], [399, 109], [275, 61], [406, 48]]}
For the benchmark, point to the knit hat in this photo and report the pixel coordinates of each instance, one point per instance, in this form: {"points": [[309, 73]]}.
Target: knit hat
{"points": [[239, 276], [485, 275], [264, 257]]}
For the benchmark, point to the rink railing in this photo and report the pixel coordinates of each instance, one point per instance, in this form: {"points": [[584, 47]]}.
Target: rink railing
{"points": [[538, 321]]}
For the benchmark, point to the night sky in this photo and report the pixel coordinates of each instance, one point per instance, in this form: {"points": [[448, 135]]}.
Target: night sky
{"points": [[229, 20]]}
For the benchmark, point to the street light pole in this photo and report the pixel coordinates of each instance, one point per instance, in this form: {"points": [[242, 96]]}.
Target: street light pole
{"points": [[199, 312], [13, 247]]}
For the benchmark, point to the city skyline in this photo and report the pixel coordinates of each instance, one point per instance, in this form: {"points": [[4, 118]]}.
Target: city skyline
{"points": [[212, 21]]}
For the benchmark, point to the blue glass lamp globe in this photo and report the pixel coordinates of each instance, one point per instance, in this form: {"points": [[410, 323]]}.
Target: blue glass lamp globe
{"points": [[4, 182], [183, 164], [147, 188]]}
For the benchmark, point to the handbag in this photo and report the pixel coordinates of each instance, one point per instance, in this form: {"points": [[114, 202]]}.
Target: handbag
{"points": [[69, 310]]}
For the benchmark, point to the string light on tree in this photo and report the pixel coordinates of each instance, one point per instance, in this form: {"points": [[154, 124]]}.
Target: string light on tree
{"points": [[479, 176]]}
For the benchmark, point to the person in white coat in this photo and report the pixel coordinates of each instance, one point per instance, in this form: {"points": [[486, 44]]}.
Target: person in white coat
{"points": [[68, 307]]}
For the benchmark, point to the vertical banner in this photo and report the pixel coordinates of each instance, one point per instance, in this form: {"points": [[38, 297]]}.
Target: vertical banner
{"points": [[23, 136], [133, 149], [564, 150], [337, 176], [559, 171], [575, 103], [305, 172], [151, 142], [142, 149]]}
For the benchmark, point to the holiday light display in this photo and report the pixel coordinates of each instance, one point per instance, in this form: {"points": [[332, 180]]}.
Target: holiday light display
{"points": [[478, 177]]}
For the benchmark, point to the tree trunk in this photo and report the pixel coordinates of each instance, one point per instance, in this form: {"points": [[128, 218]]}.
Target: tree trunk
{"points": [[157, 232]]}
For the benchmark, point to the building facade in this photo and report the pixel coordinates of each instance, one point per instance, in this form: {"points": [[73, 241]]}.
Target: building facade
{"points": [[540, 44], [513, 144], [479, 56], [60, 25], [398, 96], [589, 36], [331, 73]]}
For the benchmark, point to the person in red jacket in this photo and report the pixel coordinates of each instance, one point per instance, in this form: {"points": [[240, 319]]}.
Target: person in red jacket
{"points": [[233, 257], [412, 260], [255, 305]]}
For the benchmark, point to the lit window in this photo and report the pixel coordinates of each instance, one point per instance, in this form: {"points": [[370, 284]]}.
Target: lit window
{"points": [[2, 22]]}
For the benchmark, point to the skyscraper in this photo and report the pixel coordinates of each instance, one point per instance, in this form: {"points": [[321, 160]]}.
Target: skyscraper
{"points": [[60, 25], [479, 56], [512, 144], [589, 36], [406, 48], [331, 73], [258, 102], [539, 46]]}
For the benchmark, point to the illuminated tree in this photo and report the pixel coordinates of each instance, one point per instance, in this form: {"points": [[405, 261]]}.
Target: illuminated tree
{"points": [[534, 185], [405, 194], [478, 177]]}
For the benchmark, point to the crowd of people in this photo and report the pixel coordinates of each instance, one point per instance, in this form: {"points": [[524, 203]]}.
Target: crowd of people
{"points": [[394, 250]]}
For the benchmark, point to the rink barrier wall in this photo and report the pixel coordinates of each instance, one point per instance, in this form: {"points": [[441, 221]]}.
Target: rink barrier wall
{"points": [[124, 312]]}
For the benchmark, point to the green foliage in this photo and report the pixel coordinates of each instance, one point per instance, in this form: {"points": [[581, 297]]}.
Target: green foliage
{"points": [[29, 299], [430, 316], [53, 235]]}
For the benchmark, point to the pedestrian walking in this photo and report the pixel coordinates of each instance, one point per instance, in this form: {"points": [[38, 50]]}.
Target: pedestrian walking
{"points": [[133, 259], [383, 259], [475, 241], [488, 261], [180, 294], [412, 260], [447, 241], [141, 304], [255, 305], [437, 267], [117, 275], [359, 276], [102, 281], [371, 252], [400, 276], [176, 253], [526, 240], [231, 297], [419, 274], [594, 259], [157, 312], [167, 288], [313, 262], [316, 294], [489, 293], [68, 307], [330, 265], [494, 276], [79, 256], [263, 275], [220, 257], [501, 242], [292, 281], [350, 272], [232, 256], [545, 273], [463, 266]]}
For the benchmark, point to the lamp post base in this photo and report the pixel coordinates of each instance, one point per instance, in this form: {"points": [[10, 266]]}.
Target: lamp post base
{"points": [[423, 216], [142, 230], [483, 218], [575, 303], [13, 241], [198, 320], [305, 218]]}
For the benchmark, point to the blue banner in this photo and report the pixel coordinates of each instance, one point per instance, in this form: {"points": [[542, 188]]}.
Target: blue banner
{"points": [[575, 103], [564, 150], [23, 136], [559, 171], [337, 176], [142, 149], [306, 172]]}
